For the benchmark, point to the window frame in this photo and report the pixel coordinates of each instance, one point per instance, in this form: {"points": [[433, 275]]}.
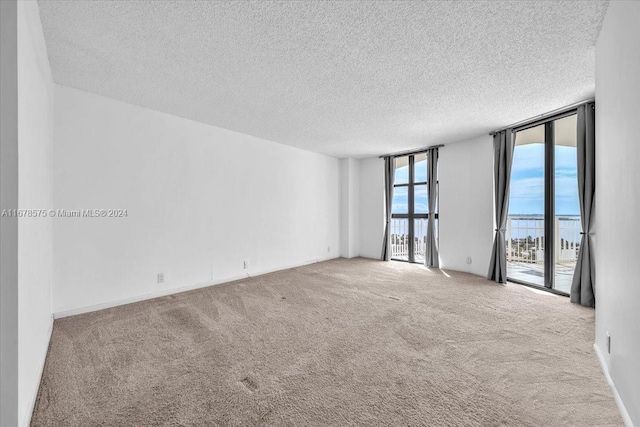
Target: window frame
{"points": [[411, 216], [549, 199]]}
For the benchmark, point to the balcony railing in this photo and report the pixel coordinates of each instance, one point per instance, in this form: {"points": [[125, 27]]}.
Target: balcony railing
{"points": [[525, 239], [400, 240]]}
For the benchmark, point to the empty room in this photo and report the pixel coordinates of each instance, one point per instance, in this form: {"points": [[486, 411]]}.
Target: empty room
{"points": [[320, 213]]}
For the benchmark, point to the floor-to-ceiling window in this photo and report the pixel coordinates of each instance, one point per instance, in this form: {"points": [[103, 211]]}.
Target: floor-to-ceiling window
{"points": [[543, 225], [410, 208]]}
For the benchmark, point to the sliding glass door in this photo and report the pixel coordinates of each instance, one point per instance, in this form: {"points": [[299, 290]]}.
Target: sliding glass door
{"points": [[567, 225], [526, 220], [543, 225], [410, 209]]}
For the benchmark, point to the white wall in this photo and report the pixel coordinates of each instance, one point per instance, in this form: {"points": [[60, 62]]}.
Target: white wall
{"points": [[371, 210], [35, 136], [200, 201], [617, 201], [349, 208], [466, 205]]}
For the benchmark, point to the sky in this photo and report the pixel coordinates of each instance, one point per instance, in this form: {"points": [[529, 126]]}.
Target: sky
{"points": [[527, 182], [400, 195]]}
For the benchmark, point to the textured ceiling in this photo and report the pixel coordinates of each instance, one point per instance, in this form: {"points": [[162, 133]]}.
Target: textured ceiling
{"points": [[348, 79]]}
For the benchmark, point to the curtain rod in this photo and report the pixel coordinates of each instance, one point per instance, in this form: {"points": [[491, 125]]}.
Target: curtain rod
{"points": [[406, 153], [542, 116]]}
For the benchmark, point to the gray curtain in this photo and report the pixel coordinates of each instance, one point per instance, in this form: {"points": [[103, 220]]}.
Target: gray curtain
{"points": [[431, 255], [388, 192], [503, 156], [583, 286]]}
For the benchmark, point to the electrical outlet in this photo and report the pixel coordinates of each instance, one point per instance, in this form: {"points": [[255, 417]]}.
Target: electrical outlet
{"points": [[246, 264], [469, 260], [608, 343], [160, 277]]}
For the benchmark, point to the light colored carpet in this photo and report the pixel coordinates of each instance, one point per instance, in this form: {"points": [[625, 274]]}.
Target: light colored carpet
{"points": [[343, 342]]}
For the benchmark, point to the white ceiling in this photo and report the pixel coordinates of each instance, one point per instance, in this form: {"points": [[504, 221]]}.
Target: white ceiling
{"points": [[348, 79]]}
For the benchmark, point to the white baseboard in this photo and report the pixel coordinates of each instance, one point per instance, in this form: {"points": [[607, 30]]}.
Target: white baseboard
{"points": [[137, 298], [32, 403], [605, 369], [172, 291]]}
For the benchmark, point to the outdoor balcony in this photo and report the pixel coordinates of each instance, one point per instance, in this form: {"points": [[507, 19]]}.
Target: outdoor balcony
{"points": [[525, 247]]}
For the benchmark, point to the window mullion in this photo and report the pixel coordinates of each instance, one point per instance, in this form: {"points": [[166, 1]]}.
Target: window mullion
{"points": [[411, 208]]}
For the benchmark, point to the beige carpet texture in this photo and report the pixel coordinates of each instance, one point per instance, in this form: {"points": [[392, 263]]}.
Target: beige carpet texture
{"points": [[338, 343]]}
